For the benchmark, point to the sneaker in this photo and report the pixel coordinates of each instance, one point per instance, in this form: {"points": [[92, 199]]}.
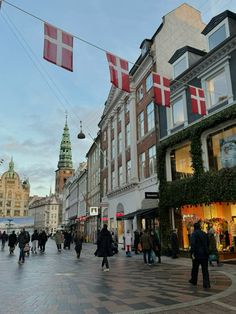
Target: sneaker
{"points": [[106, 269], [192, 283]]}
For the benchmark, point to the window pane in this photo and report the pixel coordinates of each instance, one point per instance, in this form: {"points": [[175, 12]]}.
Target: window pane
{"points": [[181, 163], [128, 171], [222, 149], [127, 135], [217, 37], [140, 125], [178, 112], [180, 67], [217, 89], [149, 82], [150, 116], [120, 175], [142, 166], [119, 143], [140, 93], [152, 160]]}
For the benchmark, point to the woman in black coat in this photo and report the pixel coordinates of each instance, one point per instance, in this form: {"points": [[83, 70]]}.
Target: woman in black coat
{"points": [[104, 248]]}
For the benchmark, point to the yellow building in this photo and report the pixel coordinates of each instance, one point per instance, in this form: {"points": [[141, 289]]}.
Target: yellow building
{"points": [[14, 194]]}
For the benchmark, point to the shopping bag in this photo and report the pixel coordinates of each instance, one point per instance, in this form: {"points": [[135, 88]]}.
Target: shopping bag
{"points": [[212, 258], [140, 247]]}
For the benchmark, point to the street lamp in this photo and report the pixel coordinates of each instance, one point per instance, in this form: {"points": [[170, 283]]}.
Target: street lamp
{"points": [[81, 135]]}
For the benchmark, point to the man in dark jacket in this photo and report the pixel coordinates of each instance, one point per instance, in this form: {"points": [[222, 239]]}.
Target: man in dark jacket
{"points": [[23, 238], [199, 253], [12, 241], [104, 244]]}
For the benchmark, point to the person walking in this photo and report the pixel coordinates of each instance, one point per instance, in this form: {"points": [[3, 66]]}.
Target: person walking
{"points": [[59, 239], [12, 241], [34, 241], [213, 252], [43, 241], [104, 247], [156, 246], [146, 243], [199, 253], [136, 241], [128, 243], [22, 240], [78, 240], [174, 244], [4, 239]]}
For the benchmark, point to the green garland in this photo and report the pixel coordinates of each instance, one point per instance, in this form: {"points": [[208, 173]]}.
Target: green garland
{"points": [[202, 187]]}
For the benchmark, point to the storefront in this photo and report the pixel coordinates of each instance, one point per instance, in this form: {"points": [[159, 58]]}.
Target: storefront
{"points": [[220, 216]]}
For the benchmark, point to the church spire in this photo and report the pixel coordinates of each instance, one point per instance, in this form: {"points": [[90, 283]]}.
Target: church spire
{"points": [[65, 157]]}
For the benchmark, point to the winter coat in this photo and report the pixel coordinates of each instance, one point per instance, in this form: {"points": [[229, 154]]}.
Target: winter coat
{"points": [[146, 241], [59, 238], [128, 239], [212, 244], [4, 237], [23, 239], [174, 243], [12, 240], [78, 239], [199, 244], [104, 244], [35, 236]]}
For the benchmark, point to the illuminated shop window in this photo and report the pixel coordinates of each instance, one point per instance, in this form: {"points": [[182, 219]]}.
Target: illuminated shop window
{"points": [[221, 147], [181, 163]]}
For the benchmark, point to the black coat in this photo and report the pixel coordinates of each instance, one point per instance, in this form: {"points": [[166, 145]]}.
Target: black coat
{"points": [[104, 244], [12, 240], [199, 244]]}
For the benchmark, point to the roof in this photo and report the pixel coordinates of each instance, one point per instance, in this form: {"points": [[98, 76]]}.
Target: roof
{"points": [[217, 19], [178, 53]]}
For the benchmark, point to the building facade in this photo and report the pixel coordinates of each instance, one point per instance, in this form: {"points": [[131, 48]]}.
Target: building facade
{"points": [[14, 194], [197, 153]]}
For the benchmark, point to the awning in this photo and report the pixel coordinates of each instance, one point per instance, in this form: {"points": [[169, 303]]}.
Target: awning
{"points": [[141, 212]]}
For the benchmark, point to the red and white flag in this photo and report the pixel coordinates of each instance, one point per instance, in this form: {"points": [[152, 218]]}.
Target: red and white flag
{"points": [[58, 47], [119, 72], [161, 86], [198, 100]]}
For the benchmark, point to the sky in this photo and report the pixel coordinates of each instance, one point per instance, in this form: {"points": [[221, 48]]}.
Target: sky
{"points": [[35, 94]]}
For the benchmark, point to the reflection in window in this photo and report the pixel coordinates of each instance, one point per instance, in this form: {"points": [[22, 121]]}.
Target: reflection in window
{"points": [[141, 166], [150, 116], [181, 163], [119, 143], [222, 148], [178, 112], [180, 67], [140, 125], [127, 135], [139, 93], [120, 175], [152, 160], [217, 88], [217, 37], [113, 149], [128, 171], [149, 82]]}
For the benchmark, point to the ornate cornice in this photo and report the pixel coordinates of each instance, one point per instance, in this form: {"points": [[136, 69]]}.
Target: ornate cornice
{"points": [[122, 189]]}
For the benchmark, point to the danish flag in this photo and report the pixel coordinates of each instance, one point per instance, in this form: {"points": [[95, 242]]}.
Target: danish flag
{"points": [[198, 100], [58, 47], [161, 90], [119, 72]]}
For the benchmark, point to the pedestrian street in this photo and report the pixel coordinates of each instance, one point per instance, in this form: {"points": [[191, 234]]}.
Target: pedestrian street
{"points": [[60, 283]]}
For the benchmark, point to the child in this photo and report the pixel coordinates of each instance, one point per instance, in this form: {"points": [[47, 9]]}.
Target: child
{"points": [[128, 242]]}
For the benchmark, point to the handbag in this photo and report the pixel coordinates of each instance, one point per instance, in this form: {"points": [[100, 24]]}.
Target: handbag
{"points": [[212, 258]]}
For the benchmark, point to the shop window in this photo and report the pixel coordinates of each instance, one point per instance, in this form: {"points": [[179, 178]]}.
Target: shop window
{"points": [[141, 166], [149, 82], [221, 148], [181, 163], [150, 117]]}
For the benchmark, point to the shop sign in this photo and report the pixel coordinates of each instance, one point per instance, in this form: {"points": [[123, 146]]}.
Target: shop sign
{"points": [[152, 195], [93, 211]]}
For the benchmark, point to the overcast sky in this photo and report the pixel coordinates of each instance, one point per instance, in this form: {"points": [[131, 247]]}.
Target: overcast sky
{"points": [[34, 94]]}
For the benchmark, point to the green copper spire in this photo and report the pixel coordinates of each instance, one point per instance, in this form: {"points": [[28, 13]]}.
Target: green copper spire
{"points": [[65, 158]]}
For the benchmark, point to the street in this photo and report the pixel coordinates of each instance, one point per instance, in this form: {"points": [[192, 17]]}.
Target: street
{"points": [[59, 283]]}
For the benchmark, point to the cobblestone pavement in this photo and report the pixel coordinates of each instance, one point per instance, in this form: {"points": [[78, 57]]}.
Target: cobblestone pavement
{"points": [[59, 283]]}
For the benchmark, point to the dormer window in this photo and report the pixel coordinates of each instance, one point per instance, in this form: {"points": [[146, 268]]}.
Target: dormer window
{"points": [[180, 66], [217, 36]]}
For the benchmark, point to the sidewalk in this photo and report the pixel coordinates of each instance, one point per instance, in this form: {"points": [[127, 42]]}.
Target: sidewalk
{"points": [[60, 284]]}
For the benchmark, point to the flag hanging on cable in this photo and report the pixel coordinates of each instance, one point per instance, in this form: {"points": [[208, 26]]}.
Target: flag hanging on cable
{"points": [[161, 86], [119, 72], [58, 47], [198, 100]]}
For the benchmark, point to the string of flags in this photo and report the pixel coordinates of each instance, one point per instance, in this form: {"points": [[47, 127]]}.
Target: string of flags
{"points": [[58, 49]]}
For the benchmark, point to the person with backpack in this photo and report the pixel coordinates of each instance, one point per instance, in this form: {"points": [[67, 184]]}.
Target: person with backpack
{"points": [[22, 240]]}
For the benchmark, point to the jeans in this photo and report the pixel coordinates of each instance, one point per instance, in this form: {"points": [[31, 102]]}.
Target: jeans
{"points": [[34, 245], [59, 247], [145, 253], [105, 262], [22, 254], [195, 267]]}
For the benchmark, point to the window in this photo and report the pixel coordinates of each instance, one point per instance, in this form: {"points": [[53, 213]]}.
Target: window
{"points": [[0, 203], [139, 93], [180, 66], [8, 203], [221, 148], [112, 149], [149, 82], [112, 124], [120, 175], [140, 125], [217, 88], [119, 116], [104, 186], [128, 171], [152, 160], [150, 117], [127, 107], [104, 136], [141, 166], [104, 158], [119, 143], [217, 37], [127, 135], [113, 179], [178, 111], [181, 163]]}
